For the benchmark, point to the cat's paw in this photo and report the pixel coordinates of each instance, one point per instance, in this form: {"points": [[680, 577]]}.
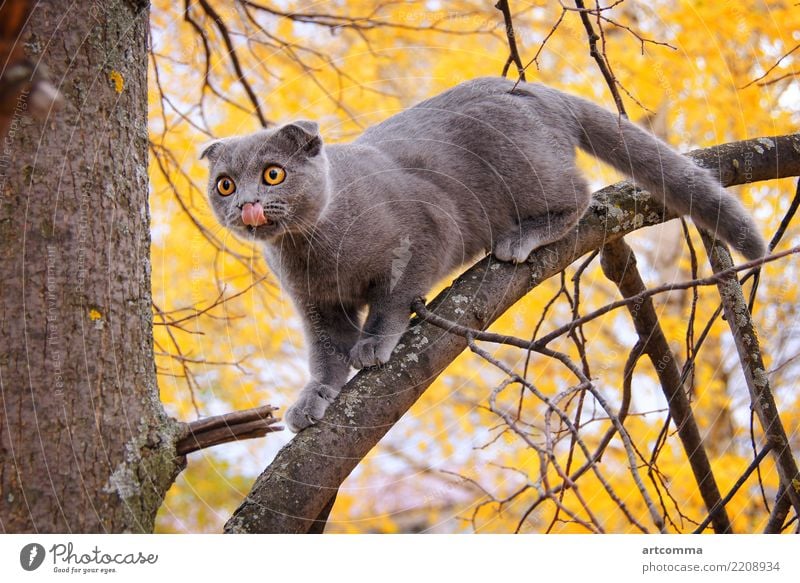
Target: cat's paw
{"points": [[371, 351], [513, 250], [310, 406]]}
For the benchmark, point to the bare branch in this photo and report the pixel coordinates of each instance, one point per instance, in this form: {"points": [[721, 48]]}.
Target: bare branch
{"points": [[513, 54], [619, 265], [780, 511], [787, 218], [585, 383], [789, 75], [746, 340], [771, 69], [739, 483], [600, 58], [362, 23], [634, 299], [234, 57], [236, 426], [552, 31]]}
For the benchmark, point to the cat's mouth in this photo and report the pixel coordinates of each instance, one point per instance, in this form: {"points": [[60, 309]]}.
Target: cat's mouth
{"points": [[253, 215], [261, 222]]}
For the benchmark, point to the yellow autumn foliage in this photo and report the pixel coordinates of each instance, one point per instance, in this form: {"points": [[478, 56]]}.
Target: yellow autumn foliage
{"points": [[449, 465]]}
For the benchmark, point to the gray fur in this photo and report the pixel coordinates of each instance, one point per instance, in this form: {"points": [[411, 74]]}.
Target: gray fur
{"points": [[375, 223]]}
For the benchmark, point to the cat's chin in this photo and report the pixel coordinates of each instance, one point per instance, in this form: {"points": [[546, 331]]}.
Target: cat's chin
{"points": [[263, 232]]}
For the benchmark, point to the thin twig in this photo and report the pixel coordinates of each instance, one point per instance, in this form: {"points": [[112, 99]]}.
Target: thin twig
{"points": [[739, 483], [545, 340], [566, 420], [772, 68], [776, 238], [777, 518]]}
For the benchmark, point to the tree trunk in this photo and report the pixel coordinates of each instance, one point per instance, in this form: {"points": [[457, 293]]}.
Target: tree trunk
{"points": [[85, 445]]}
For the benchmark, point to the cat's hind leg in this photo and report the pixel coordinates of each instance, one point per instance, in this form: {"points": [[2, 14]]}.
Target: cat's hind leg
{"points": [[547, 203], [389, 314], [534, 232], [387, 320]]}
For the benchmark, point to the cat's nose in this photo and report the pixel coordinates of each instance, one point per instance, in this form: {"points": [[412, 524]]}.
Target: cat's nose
{"points": [[244, 200]]}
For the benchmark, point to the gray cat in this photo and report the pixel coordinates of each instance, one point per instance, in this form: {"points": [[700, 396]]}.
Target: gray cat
{"points": [[485, 166]]}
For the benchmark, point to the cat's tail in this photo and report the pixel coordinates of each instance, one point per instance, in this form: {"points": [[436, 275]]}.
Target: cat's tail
{"points": [[687, 189]]}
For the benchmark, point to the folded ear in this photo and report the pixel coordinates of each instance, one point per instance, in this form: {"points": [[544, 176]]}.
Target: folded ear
{"points": [[210, 149], [305, 135]]}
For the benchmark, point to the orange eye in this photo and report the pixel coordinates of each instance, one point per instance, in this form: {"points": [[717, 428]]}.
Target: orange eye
{"points": [[274, 175], [226, 186]]}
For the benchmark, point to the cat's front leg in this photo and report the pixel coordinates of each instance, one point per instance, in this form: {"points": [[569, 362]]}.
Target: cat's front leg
{"points": [[387, 320], [330, 333]]}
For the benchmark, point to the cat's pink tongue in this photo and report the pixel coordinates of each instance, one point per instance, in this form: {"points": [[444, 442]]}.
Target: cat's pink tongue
{"points": [[253, 214]]}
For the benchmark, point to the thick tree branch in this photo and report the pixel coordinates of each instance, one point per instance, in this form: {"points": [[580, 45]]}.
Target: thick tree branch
{"points": [[780, 511], [306, 473]]}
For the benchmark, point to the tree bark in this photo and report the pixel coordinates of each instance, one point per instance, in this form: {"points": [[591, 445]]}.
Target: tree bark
{"points": [[296, 487], [745, 337], [619, 265], [85, 445]]}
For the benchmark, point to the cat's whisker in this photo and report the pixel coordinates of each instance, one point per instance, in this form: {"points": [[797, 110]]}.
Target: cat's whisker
{"points": [[313, 233], [316, 231]]}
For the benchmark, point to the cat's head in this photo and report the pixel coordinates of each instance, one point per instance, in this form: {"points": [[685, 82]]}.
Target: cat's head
{"points": [[269, 183]]}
